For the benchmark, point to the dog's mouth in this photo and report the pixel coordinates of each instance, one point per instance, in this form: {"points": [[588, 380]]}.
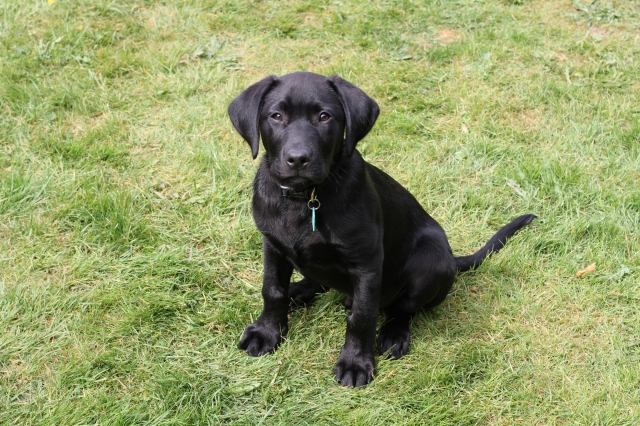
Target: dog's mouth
{"points": [[297, 183], [314, 175]]}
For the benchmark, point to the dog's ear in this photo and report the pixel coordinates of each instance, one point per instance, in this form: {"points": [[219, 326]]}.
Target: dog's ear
{"points": [[360, 111], [244, 111]]}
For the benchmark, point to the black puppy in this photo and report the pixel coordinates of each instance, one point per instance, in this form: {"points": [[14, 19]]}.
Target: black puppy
{"points": [[339, 221]]}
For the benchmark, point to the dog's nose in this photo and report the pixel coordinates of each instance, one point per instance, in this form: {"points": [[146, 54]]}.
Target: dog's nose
{"points": [[297, 158]]}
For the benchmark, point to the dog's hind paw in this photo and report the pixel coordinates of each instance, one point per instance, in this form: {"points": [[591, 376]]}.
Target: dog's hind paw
{"points": [[348, 302], [303, 293], [393, 341]]}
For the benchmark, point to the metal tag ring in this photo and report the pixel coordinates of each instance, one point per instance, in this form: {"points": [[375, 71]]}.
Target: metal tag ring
{"points": [[313, 201]]}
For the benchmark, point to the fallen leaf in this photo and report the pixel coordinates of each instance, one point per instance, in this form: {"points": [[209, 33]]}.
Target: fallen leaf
{"points": [[586, 270], [464, 128], [448, 36]]}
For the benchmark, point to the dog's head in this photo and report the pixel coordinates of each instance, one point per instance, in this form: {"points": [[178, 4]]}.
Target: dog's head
{"points": [[306, 122]]}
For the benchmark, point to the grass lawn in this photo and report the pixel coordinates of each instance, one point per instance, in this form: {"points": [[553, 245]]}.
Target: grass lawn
{"points": [[130, 264]]}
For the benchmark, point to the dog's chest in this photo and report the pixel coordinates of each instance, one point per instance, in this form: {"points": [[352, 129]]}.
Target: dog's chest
{"points": [[300, 243], [316, 254]]}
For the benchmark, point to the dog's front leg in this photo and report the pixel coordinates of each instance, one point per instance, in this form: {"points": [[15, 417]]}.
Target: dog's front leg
{"points": [[264, 335], [356, 365]]}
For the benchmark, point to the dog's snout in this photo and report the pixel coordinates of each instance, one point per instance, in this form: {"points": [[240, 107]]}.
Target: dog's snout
{"points": [[297, 158]]}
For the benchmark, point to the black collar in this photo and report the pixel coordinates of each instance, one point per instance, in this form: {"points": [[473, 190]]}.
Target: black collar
{"points": [[300, 194]]}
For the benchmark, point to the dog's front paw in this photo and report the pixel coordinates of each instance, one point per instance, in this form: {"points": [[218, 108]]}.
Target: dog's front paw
{"points": [[354, 370], [259, 339]]}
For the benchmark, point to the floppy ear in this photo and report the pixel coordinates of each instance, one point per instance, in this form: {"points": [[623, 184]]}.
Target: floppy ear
{"points": [[360, 111], [244, 111]]}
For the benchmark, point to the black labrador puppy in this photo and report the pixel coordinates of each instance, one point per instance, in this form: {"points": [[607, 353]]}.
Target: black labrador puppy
{"points": [[339, 221]]}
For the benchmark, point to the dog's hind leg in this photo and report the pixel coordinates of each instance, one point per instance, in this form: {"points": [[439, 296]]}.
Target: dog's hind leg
{"points": [[429, 275], [394, 336], [303, 292]]}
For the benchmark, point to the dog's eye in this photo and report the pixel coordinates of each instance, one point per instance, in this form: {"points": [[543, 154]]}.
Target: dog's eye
{"points": [[324, 116], [276, 116]]}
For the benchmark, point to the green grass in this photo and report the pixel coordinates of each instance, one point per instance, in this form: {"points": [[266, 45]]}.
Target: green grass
{"points": [[130, 265]]}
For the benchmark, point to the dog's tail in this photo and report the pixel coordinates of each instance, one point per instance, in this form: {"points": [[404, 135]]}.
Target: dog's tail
{"points": [[465, 263]]}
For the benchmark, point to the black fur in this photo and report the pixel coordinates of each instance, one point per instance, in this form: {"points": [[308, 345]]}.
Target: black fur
{"points": [[373, 241]]}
